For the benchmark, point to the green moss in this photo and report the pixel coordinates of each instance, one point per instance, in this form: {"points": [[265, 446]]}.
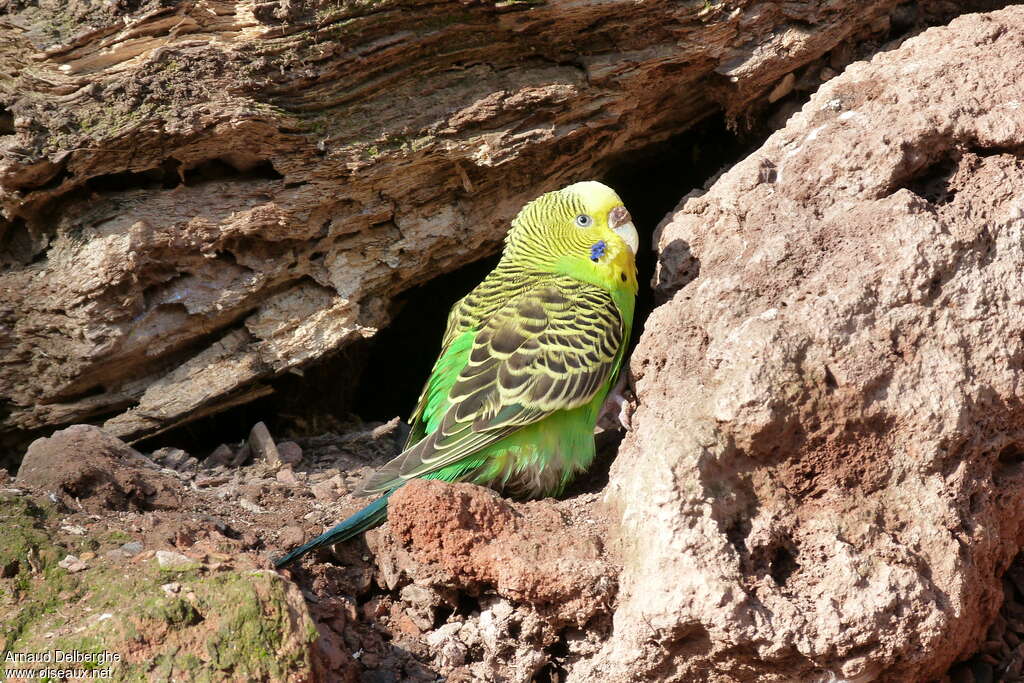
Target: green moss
{"points": [[251, 637], [36, 598], [236, 625], [25, 545], [118, 538]]}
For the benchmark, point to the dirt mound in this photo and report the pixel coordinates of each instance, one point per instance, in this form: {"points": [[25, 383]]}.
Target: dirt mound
{"points": [[97, 471]]}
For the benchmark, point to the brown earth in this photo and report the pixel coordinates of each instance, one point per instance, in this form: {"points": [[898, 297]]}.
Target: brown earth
{"points": [[100, 472], [461, 582]]}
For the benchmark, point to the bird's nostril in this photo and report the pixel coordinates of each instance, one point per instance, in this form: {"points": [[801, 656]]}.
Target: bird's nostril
{"points": [[618, 216]]}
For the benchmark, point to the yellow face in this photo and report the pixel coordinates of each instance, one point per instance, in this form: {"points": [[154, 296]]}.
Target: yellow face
{"points": [[582, 230], [605, 214]]}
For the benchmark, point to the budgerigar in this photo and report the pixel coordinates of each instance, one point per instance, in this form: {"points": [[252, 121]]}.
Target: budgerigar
{"points": [[526, 362]]}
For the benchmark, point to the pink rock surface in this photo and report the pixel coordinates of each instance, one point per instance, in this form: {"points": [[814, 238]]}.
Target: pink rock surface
{"points": [[825, 480]]}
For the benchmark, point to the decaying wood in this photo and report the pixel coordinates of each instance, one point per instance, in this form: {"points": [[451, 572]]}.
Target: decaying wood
{"points": [[199, 196]]}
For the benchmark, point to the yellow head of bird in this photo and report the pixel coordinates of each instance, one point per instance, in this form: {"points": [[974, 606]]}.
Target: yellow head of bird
{"points": [[584, 222]]}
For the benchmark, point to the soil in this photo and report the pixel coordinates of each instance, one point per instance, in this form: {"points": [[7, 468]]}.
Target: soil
{"points": [[435, 593]]}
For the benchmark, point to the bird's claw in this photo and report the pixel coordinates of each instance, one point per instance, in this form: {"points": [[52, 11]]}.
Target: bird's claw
{"points": [[617, 411]]}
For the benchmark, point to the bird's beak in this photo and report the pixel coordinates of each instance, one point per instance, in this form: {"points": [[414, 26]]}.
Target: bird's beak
{"points": [[621, 223]]}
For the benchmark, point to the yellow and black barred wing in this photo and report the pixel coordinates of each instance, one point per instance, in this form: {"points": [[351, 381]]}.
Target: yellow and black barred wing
{"points": [[550, 348]]}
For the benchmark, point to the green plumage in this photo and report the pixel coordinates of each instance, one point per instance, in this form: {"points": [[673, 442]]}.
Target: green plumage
{"points": [[527, 359]]}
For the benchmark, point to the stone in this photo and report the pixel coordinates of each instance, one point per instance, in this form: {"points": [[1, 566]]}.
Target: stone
{"points": [[460, 535], [291, 536], [262, 445], [289, 452], [72, 564], [97, 469], [327, 491], [174, 458], [168, 559], [221, 455], [286, 475], [828, 432], [132, 548]]}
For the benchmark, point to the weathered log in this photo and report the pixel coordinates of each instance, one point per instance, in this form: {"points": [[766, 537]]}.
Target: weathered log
{"points": [[199, 196]]}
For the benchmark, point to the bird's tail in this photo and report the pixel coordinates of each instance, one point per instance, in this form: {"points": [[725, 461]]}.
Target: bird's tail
{"points": [[370, 516]]}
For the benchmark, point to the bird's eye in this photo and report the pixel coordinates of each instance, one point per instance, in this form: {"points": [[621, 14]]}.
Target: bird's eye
{"points": [[584, 221]]}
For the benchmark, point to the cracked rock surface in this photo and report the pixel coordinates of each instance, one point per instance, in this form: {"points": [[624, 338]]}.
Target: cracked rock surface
{"points": [[830, 437]]}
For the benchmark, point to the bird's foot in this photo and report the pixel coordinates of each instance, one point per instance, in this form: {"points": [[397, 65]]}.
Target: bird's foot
{"points": [[617, 411]]}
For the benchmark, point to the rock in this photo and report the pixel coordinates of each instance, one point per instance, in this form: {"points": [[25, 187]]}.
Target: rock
{"points": [[98, 470], [826, 473], [462, 535], [175, 459], [168, 559], [289, 452], [262, 445], [422, 605], [450, 650], [260, 223], [286, 475], [291, 536], [240, 456], [327, 491], [131, 548], [221, 455], [72, 564]]}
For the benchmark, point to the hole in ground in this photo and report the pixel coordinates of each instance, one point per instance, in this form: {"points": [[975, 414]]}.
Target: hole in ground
{"points": [[6, 122], [932, 184], [783, 564], [1009, 464], [650, 182]]}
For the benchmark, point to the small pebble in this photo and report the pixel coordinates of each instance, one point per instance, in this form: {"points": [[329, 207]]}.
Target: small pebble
{"points": [[250, 506], [202, 482], [72, 564], [325, 490], [291, 536], [131, 548], [289, 452], [168, 559]]}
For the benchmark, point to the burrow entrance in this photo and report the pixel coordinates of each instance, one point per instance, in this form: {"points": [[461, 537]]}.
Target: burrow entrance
{"points": [[380, 378]]}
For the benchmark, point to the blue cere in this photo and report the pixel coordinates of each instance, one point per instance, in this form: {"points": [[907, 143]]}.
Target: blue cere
{"points": [[597, 251]]}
